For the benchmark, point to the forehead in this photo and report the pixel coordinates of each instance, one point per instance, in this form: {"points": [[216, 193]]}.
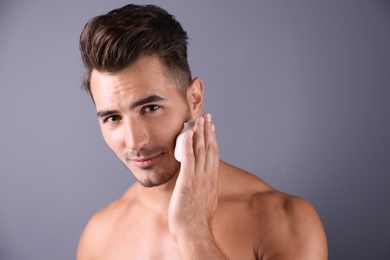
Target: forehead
{"points": [[145, 77]]}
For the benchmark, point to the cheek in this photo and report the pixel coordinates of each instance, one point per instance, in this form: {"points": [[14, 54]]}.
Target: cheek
{"points": [[113, 140], [165, 135]]}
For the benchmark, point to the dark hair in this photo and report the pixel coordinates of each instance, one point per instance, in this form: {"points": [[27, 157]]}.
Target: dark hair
{"points": [[111, 42]]}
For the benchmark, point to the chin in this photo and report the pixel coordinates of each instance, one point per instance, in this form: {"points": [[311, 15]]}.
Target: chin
{"points": [[154, 182], [151, 177]]}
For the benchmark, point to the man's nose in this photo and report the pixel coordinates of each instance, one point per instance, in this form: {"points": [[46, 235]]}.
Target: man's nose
{"points": [[136, 135]]}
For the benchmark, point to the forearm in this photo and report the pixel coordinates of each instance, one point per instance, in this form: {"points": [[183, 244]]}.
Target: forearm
{"points": [[199, 246]]}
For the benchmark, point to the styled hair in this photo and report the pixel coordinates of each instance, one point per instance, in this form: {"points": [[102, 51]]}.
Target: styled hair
{"points": [[111, 42]]}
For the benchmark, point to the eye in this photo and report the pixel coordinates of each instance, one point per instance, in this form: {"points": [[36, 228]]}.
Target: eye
{"points": [[111, 119], [150, 108]]}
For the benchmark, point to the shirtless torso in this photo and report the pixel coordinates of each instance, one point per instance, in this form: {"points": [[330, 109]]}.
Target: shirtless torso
{"points": [[252, 221]]}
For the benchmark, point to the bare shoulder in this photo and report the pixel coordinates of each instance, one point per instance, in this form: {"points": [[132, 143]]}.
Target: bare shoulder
{"points": [[292, 226], [288, 227], [98, 228]]}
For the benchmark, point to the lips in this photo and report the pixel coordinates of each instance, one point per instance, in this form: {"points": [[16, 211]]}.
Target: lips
{"points": [[146, 162]]}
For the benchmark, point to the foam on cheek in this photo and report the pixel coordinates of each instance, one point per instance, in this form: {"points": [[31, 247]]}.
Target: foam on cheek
{"points": [[179, 140]]}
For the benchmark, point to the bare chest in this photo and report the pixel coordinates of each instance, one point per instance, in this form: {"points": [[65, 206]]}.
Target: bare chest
{"points": [[149, 238], [140, 239]]}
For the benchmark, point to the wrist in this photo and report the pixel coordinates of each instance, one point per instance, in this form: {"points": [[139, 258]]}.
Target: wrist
{"points": [[192, 232], [199, 243]]}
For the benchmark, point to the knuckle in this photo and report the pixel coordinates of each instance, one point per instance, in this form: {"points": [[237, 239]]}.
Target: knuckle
{"points": [[201, 150], [212, 149], [191, 159]]}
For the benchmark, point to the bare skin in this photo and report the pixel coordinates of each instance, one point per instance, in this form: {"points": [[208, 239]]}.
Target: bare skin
{"points": [[202, 208]]}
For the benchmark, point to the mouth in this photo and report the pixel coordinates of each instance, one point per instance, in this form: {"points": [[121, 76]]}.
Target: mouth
{"points": [[146, 162]]}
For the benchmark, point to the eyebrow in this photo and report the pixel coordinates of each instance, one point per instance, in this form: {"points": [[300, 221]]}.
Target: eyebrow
{"points": [[146, 100], [139, 102], [105, 113]]}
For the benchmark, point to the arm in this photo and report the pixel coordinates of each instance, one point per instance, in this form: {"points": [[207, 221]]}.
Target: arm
{"points": [[299, 233], [84, 250], [91, 240], [195, 197]]}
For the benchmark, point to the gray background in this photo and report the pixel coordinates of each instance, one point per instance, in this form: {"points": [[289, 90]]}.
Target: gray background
{"points": [[299, 91]]}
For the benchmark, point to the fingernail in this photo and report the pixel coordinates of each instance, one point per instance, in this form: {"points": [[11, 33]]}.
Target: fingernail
{"points": [[213, 128], [201, 120], [208, 117]]}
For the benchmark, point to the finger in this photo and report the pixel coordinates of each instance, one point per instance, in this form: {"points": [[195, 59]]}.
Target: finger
{"points": [[212, 151], [188, 160], [199, 145]]}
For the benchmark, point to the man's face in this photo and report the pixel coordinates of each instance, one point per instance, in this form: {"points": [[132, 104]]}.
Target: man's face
{"points": [[141, 113]]}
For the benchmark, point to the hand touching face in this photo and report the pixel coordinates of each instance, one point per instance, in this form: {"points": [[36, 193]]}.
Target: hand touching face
{"points": [[195, 197]]}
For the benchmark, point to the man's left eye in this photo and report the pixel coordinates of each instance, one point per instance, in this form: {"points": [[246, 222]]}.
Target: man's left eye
{"points": [[151, 108]]}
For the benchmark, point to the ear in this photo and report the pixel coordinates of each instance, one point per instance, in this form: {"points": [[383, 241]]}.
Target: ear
{"points": [[195, 97]]}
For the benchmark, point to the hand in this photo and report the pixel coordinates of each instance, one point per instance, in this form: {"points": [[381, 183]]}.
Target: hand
{"points": [[195, 197]]}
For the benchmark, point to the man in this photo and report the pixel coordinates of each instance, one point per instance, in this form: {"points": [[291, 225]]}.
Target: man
{"points": [[202, 208]]}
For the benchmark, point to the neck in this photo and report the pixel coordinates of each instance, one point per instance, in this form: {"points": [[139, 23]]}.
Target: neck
{"points": [[157, 197]]}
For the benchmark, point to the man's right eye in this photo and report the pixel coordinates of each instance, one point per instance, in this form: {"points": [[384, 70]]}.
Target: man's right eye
{"points": [[111, 119]]}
